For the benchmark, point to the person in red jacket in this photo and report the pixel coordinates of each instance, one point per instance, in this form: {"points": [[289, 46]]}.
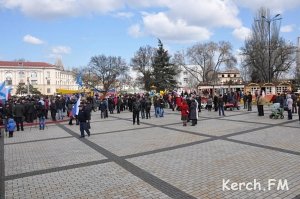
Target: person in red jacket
{"points": [[184, 112]]}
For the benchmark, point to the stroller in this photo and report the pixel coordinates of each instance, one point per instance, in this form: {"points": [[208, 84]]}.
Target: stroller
{"points": [[277, 112]]}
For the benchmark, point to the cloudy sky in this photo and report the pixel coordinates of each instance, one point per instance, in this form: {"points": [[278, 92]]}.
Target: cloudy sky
{"points": [[75, 30]]}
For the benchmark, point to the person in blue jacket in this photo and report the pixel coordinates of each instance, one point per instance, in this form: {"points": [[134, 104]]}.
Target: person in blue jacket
{"points": [[11, 125]]}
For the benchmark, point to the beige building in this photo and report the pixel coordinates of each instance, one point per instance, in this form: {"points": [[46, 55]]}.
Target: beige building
{"points": [[43, 76], [232, 76]]}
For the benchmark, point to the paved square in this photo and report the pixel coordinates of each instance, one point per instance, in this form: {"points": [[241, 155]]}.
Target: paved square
{"points": [[157, 159]]}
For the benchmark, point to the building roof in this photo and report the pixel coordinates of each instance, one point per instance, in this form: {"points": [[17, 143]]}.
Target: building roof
{"points": [[25, 64], [233, 71]]}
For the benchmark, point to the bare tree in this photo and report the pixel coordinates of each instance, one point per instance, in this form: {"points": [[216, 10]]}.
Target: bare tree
{"points": [[267, 56], [142, 63], [107, 69], [195, 72], [205, 60]]}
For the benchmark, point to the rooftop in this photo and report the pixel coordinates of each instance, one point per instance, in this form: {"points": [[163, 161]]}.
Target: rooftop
{"points": [[25, 64]]}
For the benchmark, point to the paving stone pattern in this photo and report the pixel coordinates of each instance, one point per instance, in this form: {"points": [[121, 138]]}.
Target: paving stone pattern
{"points": [[157, 159]]}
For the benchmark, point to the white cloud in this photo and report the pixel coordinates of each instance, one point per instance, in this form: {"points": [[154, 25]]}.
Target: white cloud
{"points": [[61, 50], [287, 28], [205, 12], [135, 31], [49, 9], [186, 21], [276, 6], [159, 25], [241, 33], [124, 14], [32, 40]]}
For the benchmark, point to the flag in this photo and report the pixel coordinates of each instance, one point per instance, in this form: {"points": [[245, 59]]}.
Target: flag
{"points": [[3, 91], [79, 79], [75, 108], [7, 92]]}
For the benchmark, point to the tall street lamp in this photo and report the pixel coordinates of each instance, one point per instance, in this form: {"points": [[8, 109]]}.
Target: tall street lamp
{"points": [[269, 45]]}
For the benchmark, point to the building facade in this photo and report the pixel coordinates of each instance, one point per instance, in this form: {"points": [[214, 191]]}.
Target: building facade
{"points": [[229, 77], [43, 76], [187, 82]]}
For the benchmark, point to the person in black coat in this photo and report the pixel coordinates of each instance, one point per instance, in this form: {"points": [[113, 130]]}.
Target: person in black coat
{"points": [[53, 110], [136, 108], [249, 101], [82, 119], [216, 103], [18, 112], [193, 112], [41, 114], [88, 108]]}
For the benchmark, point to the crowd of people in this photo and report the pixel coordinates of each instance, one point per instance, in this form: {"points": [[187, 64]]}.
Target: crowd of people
{"points": [[16, 111]]}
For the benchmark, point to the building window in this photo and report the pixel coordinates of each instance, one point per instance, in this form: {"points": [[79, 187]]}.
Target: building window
{"points": [[34, 82], [48, 74], [234, 75], [48, 81], [185, 73], [185, 80], [222, 75], [21, 74], [8, 81], [48, 90], [34, 75]]}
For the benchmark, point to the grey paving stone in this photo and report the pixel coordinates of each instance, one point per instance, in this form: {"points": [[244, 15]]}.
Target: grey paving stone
{"points": [[210, 163], [27, 157], [131, 142], [282, 137], [100, 181], [35, 134], [192, 159]]}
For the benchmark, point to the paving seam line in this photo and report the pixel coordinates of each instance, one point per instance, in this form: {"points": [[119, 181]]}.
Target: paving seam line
{"points": [[154, 181]]}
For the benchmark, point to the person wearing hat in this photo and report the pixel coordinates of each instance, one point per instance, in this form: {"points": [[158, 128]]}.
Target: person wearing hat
{"points": [[82, 119]]}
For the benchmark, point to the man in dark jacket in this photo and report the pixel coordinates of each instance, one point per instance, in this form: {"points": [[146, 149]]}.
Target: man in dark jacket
{"points": [[18, 112], [148, 108], [249, 101], [83, 118], [193, 112], [88, 108], [30, 110], [136, 107], [245, 100], [216, 103], [221, 105], [143, 107]]}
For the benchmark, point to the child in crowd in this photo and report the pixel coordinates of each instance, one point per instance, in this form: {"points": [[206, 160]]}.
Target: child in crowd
{"points": [[11, 125]]}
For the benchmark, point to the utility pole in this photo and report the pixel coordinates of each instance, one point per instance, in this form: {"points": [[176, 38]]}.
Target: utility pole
{"points": [[269, 21], [28, 92]]}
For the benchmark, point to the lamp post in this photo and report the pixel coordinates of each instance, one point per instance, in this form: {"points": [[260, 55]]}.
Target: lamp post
{"points": [[269, 45], [28, 83]]}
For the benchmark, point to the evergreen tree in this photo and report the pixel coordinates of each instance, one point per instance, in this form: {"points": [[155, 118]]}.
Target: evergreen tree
{"points": [[34, 91], [163, 71], [21, 89]]}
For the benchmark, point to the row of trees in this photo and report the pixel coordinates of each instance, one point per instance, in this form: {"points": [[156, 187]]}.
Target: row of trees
{"points": [[262, 58], [153, 67]]}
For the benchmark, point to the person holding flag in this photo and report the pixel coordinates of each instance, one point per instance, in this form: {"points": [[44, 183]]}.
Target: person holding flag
{"points": [[83, 118], [70, 106]]}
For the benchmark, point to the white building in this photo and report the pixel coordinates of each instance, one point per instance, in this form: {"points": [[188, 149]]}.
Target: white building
{"points": [[43, 76], [186, 81]]}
